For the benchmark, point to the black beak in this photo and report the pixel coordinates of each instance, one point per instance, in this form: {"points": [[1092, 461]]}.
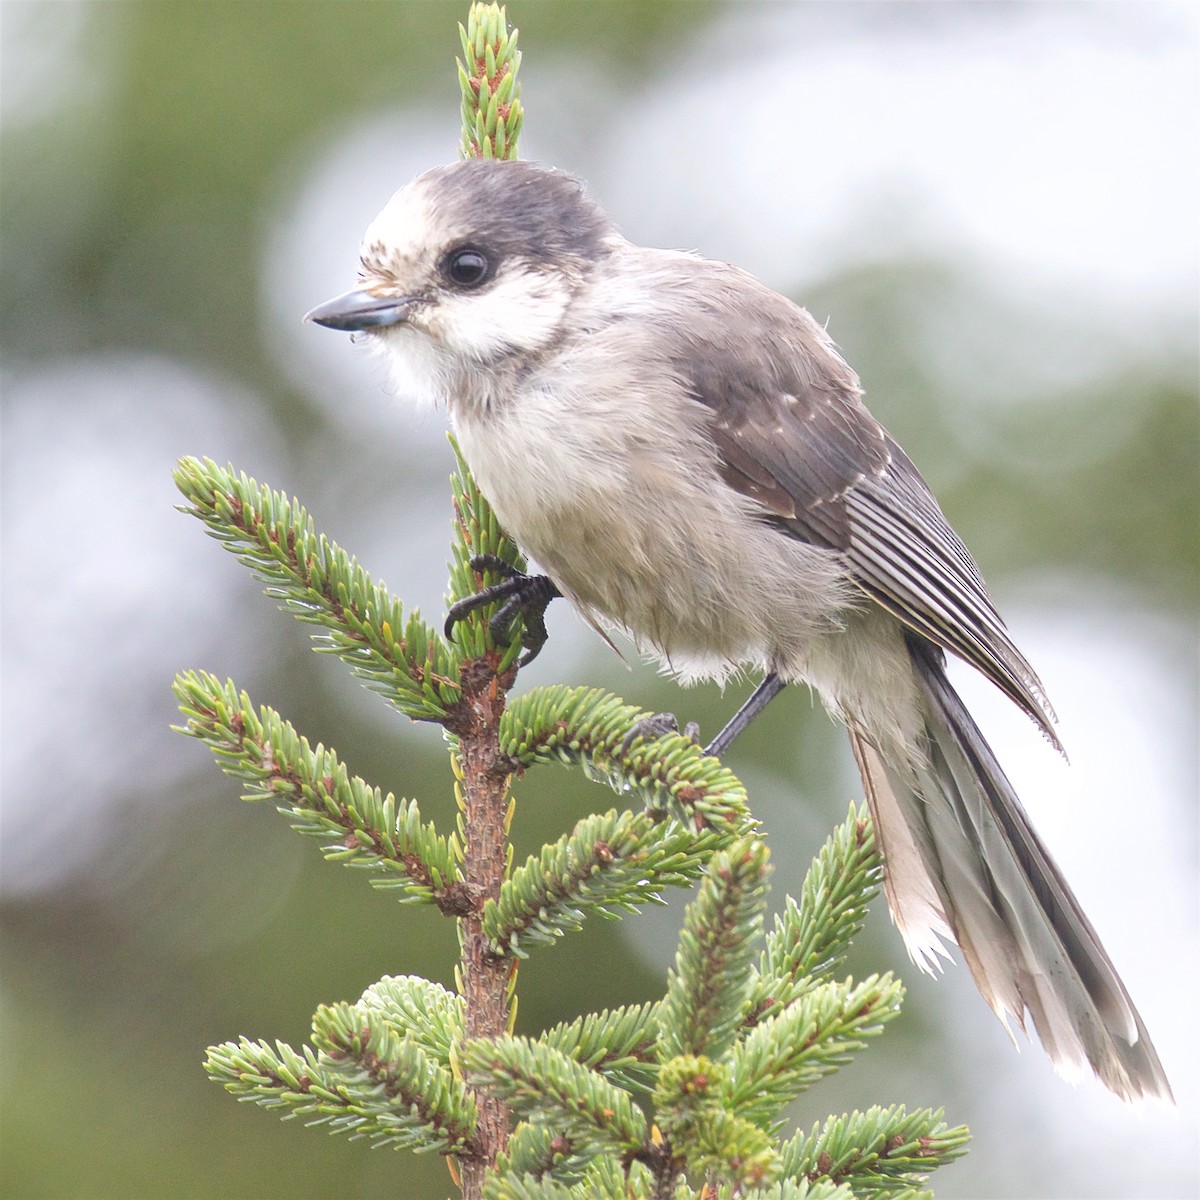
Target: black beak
{"points": [[362, 310]]}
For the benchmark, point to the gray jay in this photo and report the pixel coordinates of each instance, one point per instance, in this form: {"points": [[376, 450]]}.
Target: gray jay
{"points": [[688, 457]]}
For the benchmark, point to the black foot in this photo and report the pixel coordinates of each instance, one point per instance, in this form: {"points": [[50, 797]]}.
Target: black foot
{"points": [[663, 723], [659, 725], [524, 596]]}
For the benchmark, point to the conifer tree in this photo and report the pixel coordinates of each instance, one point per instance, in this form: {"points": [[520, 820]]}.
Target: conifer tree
{"points": [[681, 1097]]}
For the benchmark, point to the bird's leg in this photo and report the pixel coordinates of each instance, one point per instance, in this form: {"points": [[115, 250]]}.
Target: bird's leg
{"points": [[524, 596], [664, 723], [767, 690]]}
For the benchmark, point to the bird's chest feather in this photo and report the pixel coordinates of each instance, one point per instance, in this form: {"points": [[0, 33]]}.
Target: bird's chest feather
{"points": [[590, 488], [616, 492], [553, 471]]}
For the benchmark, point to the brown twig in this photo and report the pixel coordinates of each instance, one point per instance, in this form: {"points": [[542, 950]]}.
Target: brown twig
{"points": [[486, 978]]}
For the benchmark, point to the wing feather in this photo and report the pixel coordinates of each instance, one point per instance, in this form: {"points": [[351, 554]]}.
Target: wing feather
{"points": [[915, 565], [792, 433]]}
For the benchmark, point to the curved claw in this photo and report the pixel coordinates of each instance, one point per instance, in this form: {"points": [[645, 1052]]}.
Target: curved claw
{"points": [[659, 725], [525, 596]]}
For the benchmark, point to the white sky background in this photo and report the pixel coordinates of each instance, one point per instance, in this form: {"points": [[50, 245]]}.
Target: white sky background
{"points": [[1058, 148], [1056, 153]]}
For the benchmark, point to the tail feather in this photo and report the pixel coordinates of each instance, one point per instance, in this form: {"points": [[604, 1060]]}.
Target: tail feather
{"points": [[913, 900], [961, 859]]}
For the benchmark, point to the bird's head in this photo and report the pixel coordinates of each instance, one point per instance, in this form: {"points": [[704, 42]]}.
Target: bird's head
{"points": [[471, 264]]}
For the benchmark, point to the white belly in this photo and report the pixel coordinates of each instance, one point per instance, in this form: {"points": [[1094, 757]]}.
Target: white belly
{"points": [[649, 539]]}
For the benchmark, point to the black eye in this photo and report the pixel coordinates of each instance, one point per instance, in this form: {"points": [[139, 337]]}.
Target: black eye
{"points": [[466, 266]]}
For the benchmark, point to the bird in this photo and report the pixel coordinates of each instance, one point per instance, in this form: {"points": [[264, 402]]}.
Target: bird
{"points": [[687, 456]]}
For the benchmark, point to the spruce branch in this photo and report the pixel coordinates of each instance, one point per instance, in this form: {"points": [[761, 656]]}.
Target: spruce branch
{"points": [[728, 1147], [609, 862], [787, 1053], [810, 938], [604, 1179], [402, 659], [705, 1136], [487, 75], [419, 1009], [587, 727], [526, 1187], [881, 1154], [540, 1082], [356, 824], [273, 1076], [394, 1092], [363, 1081], [619, 1043], [540, 1153], [707, 989], [788, 1189]]}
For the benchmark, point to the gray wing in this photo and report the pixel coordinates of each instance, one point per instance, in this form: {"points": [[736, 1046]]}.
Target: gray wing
{"points": [[793, 434]]}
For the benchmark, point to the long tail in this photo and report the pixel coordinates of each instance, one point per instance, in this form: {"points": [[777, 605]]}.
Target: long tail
{"points": [[962, 861]]}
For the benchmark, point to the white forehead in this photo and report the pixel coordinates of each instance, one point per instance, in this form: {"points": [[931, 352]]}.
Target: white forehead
{"points": [[405, 229]]}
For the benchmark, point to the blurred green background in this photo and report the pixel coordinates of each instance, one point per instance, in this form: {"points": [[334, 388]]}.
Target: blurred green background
{"points": [[995, 208]]}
